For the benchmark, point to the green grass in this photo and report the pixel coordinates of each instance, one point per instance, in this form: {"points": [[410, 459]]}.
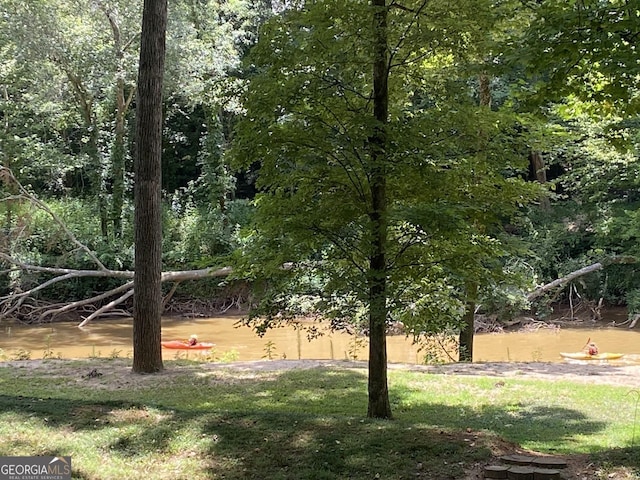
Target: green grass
{"points": [[198, 423]]}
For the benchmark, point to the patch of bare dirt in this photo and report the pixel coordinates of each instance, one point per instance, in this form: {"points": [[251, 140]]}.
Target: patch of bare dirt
{"points": [[585, 372]]}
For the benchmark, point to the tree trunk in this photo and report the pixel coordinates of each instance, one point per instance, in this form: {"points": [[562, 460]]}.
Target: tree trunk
{"points": [[96, 165], [99, 184], [147, 300], [484, 90], [467, 332], [465, 342], [122, 106], [539, 170], [379, 405], [117, 165]]}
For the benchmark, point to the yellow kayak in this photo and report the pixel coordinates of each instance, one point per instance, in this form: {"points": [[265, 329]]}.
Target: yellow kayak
{"points": [[586, 356]]}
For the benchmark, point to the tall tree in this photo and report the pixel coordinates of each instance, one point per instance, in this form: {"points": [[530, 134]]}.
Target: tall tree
{"points": [[379, 406], [147, 350], [583, 78], [203, 80], [124, 95], [371, 181]]}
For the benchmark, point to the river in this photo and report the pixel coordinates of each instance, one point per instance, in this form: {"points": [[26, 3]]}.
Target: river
{"points": [[113, 338]]}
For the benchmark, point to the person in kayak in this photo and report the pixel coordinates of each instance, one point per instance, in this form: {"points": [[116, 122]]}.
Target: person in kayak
{"points": [[591, 348], [193, 340]]}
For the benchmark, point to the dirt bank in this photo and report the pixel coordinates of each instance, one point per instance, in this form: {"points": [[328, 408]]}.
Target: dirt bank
{"points": [[586, 372]]}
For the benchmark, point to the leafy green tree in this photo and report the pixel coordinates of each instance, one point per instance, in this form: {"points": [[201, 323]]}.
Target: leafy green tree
{"points": [[204, 81], [80, 60], [594, 218], [85, 54], [579, 60], [586, 48], [69, 86], [382, 182], [32, 142]]}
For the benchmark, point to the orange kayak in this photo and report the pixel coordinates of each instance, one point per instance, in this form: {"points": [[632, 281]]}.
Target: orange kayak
{"points": [[183, 345], [586, 356]]}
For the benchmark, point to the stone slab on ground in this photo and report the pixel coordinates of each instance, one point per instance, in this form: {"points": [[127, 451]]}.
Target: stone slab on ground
{"points": [[549, 462], [495, 471], [546, 474], [518, 459], [525, 467], [520, 473]]}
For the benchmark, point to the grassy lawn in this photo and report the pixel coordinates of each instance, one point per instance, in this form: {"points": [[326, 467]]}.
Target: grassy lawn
{"points": [[192, 422]]}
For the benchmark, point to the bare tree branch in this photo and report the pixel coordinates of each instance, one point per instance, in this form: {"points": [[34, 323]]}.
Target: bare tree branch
{"points": [[86, 301], [560, 282], [11, 303], [106, 307]]}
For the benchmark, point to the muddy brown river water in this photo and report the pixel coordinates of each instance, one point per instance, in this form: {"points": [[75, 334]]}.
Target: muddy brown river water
{"points": [[113, 338]]}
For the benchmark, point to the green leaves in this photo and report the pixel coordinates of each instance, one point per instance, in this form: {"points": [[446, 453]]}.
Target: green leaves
{"points": [[587, 48], [309, 124]]}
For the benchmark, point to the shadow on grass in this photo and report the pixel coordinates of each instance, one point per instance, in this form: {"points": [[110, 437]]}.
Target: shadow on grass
{"points": [[623, 457], [306, 424], [302, 447], [76, 414]]}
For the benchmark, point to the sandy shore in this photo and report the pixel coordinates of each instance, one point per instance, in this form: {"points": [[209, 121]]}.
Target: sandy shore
{"points": [[587, 372]]}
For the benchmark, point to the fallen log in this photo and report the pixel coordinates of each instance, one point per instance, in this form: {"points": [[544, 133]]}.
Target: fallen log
{"points": [[18, 301], [562, 281], [12, 302]]}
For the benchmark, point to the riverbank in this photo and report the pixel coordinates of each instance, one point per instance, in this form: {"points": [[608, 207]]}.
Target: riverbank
{"points": [[586, 372]]}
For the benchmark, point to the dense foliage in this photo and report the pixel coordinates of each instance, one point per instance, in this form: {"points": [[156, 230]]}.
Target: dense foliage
{"points": [[475, 88], [451, 165]]}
